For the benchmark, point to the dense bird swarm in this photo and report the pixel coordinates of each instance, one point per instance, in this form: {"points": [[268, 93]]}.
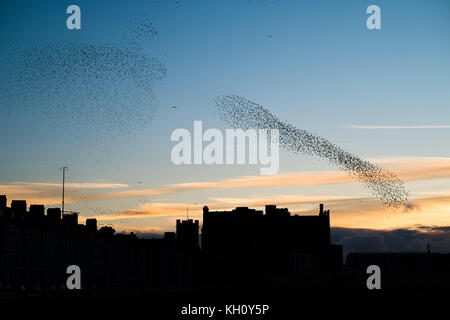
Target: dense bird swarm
{"points": [[242, 113], [103, 85], [138, 30]]}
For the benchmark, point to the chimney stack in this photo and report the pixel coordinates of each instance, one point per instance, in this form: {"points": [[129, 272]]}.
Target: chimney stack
{"points": [[91, 225], [36, 212], [70, 220], [18, 208], [271, 209], [2, 202], [54, 215]]}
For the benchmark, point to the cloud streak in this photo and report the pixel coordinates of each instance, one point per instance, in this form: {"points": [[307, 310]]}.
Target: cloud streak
{"points": [[346, 212], [396, 240], [154, 209], [408, 169], [370, 127], [405, 168], [50, 193], [83, 185]]}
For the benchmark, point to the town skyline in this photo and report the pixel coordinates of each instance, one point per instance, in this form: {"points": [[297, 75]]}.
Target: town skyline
{"points": [[380, 94]]}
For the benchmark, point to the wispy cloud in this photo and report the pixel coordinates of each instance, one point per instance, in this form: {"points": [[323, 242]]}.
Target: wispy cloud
{"points": [[50, 193], [280, 200], [352, 212], [407, 168], [81, 185], [418, 168], [353, 126], [152, 209]]}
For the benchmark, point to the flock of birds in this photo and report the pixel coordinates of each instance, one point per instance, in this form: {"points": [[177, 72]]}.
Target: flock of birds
{"points": [[239, 112], [103, 85], [109, 86]]}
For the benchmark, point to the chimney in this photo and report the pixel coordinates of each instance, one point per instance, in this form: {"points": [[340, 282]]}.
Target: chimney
{"points": [[321, 210], [36, 212], [18, 208], [70, 219], [271, 209], [19, 205], [54, 215], [2, 202], [91, 225]]}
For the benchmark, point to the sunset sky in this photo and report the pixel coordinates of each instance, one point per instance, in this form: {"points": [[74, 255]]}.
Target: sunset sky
{"points": [[383, 95]]}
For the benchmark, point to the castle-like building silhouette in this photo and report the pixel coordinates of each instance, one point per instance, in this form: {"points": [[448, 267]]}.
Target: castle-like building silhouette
{"points": [[242, 247], [252, 245]]}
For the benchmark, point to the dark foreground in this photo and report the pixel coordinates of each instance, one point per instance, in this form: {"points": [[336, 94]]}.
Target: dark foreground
{"points": [[286, 302]]}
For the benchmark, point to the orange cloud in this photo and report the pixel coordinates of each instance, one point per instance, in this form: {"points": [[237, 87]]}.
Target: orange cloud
{"points": [[406, 168], [367, 213], [145, 229], [345, 212], [153, 209], [418, 168], [49, 193]]}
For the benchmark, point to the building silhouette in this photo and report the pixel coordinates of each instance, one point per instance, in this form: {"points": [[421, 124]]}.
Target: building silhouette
{"points": [[36, 249], [187, 233], [247, 245], [239, 248]]}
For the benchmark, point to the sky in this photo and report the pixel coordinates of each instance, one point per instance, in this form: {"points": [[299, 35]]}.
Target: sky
{"points": [[380, 94]]}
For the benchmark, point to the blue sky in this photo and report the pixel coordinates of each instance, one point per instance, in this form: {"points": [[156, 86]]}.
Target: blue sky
{"points": [[312, 63]]}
